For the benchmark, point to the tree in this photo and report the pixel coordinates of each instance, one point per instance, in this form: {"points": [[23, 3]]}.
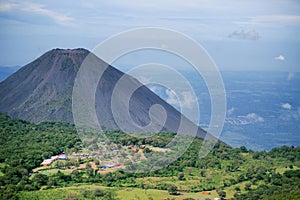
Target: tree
{"points": [[98, 192], [181, 176], [243, 149], [240, 178], [51, 182], [292, 173], [221, 193], [255, 156], [173, 190], [276, 179], [237, 189], [247, 186], [202, 173], [147, 150], [41, 179], [97, 162], [89, 170]]}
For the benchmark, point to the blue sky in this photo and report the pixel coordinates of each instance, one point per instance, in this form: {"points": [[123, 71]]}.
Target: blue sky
{"points": [[239, 35]]}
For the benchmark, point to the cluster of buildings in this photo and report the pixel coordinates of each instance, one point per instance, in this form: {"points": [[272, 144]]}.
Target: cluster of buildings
{"points": [[82, 155], [110, 166], [49, 161], [114, 151]]}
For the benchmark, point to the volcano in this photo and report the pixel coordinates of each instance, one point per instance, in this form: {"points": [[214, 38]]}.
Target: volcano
{"points": [[42, 91]]}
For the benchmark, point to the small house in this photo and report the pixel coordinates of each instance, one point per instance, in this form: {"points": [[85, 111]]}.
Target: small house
{"points": [[62, 157], [54, 157], [47, 162]]}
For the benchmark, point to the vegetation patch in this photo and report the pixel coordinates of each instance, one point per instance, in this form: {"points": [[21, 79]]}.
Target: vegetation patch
{"points": [[236, 173]]}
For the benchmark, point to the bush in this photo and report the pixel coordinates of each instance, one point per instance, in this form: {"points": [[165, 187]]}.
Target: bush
{"points": [[98, 192], [173, 190], [222, 194], [181, 176]]}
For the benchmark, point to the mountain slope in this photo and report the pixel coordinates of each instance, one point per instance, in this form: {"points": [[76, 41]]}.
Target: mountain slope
{"points": [[7, 71], [42, 91]]}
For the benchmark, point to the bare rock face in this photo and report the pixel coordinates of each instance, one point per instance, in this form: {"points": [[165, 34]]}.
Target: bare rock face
{"points": [[42, 91]]}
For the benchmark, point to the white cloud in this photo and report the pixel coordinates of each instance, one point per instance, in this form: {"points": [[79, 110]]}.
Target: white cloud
{"points": [[172, 98], [245, 35], [204, 21], [250, 118], [5, 7], [280, 58], [286, 106], [230, 111], [157, 90], [186, 99], [254, 117], [39, 9], [279, 19], [59, 18], [145, 80], [289, 113], [270, 21]]}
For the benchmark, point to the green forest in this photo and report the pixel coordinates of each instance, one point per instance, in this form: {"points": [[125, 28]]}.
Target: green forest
{"points": [[226, 172]]}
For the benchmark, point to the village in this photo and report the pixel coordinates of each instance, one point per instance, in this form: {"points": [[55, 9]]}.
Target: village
{"points": [[105, 159]]}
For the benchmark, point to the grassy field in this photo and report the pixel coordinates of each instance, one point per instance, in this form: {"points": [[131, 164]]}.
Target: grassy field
{"points": [[87, 191], [135, 193], [281, 170], [72, 192]]}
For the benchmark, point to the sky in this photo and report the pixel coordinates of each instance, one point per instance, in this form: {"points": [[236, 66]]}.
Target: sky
{"points": [[238, 35]]}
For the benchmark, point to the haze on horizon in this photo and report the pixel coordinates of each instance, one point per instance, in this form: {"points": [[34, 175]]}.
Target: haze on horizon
{"points": [[239, 35]]}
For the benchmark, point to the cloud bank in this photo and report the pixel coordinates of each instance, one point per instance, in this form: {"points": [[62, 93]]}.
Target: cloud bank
{"points": [[186, 99], [245, 35], [37, 9], [250, 118]]}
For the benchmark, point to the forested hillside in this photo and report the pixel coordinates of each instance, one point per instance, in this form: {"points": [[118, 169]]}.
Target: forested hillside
{"points": [[226, 172]]}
